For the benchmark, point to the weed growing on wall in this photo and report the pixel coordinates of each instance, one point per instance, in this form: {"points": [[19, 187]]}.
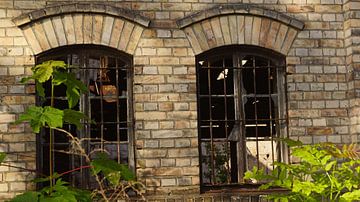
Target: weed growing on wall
{"points": [[325, 172], [114, 180]]}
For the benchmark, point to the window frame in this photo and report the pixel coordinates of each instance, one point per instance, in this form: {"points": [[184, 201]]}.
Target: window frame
{"points": [[236, 52], [83, 50]]}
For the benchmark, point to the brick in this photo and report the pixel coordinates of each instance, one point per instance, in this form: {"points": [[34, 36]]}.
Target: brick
{"points": [[280, 37], [116, 32], [176, 43], [97, 29], [266, 33], [167, 106], [134, 39], [150, 163], [17, 147], [167, 162], [164, 61], [188, 152], [320, 131], [200, 37], [327, 8], [225, 28], [162, 33], [107, 29], [151, 43], [79, 28], [166, 125], [256, 31], [153, 153], [193, 40], [69, 29], [150, 115], [168, 182], [290, 36], [88, 28], [6, 23], [19, 41], [181, 78], [59, 30], [4, 187], [149, 79], [17, 186], [210, 37], [50, 33]]}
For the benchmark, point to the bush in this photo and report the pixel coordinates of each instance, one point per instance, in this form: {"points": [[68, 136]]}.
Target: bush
{"points": [[325, 172]]}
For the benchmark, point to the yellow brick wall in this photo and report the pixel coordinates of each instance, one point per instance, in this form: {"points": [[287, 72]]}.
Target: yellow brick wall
{"points": [[322, 62]]}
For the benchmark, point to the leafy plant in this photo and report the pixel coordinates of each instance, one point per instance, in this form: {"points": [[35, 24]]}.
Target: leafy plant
{"points": [[60, 192], [219, 166], [114, 180], [324, 172]]}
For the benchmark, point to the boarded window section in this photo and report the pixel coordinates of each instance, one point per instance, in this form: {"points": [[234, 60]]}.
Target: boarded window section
{"points": [[106, 75], [241, 115]]}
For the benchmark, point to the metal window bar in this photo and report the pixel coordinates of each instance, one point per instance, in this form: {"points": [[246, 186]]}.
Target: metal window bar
{"points": [[85, 106], [244, 121]]}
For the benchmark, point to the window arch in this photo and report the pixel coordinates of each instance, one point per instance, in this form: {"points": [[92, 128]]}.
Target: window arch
{"points": [[241, 112], [107, 73]]}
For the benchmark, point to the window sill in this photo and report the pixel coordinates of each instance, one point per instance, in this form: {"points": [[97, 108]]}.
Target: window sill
{"points": [[244, 189]]}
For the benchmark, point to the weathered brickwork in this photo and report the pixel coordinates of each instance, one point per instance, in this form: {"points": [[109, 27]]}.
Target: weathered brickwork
{"points": [[318, 37]]}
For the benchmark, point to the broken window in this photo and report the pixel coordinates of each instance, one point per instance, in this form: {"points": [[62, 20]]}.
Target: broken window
{"points": [[241, 109], [107, 75]]}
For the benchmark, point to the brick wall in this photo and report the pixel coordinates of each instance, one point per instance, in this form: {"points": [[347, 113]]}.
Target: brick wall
{"points": [[322, 80]]}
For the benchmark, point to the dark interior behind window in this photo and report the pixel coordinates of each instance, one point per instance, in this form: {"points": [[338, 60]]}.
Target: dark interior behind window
{"points": [[107, 75], [241, 107]]}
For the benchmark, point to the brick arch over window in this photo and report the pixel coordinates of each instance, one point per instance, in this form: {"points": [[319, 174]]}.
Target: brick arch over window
{"points": [[77, 23], [240, 24]]}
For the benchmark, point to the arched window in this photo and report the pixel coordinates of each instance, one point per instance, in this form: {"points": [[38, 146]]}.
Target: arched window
{"points": [[241, 112], [107, 74]]}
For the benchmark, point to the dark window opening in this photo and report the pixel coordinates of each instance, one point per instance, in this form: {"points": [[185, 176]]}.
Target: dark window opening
{"points": [[241, 111], [107, 75]]}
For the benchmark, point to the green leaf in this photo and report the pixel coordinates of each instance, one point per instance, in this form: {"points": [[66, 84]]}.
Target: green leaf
{"points": [[112, 170], [74, 117], [291, 142], [46, 179], [30, 196], [2, 157], [42, 116], [32, 115], [25, 79], [42, 72], [40, 89], [351, 196], [74, 87], [53, 117], [330, 165]]}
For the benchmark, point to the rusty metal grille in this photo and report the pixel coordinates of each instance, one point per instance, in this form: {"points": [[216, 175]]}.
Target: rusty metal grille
{"points": [[241, 108], [107, 74]]}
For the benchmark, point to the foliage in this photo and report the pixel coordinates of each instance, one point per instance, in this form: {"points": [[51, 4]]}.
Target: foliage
{"points": [[60, 192], [114, 179], [219, 165], [2, 156], [111, 170], [41, 117], [325, 171]]}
